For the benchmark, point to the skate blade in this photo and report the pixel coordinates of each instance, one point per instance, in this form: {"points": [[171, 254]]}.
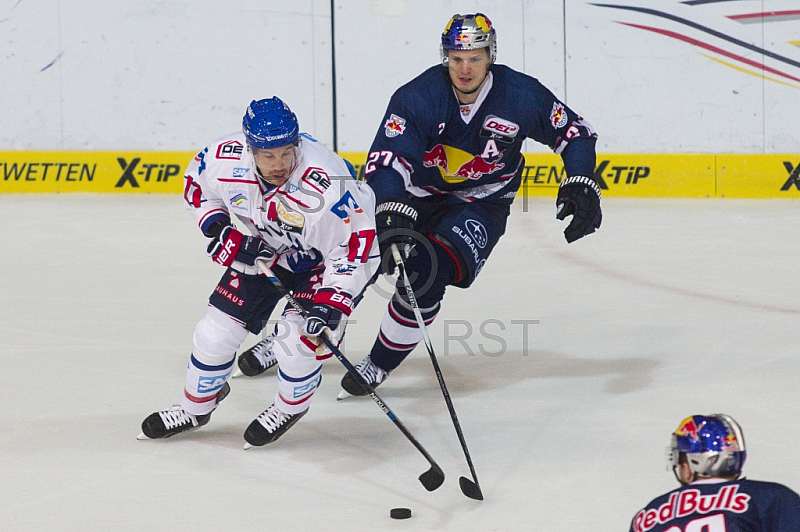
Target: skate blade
{"points": [[342, 395], [141, 436], [237, 373], [247, 446]]}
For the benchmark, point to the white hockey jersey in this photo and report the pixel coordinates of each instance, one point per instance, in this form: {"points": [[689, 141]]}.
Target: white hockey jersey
{"points": [[321, 215]]}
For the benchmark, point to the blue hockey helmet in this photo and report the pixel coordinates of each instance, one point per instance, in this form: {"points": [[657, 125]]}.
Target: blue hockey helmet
{"points": [[468, 32], [713, 446], [269, 123]]}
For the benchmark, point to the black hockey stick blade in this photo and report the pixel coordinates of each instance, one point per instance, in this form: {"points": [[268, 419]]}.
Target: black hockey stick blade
{"points": [[470, 489], [432, 478]]}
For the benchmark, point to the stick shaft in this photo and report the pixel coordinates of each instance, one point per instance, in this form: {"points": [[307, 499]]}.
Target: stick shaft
{"points": [[432, 478], [398, 259]]}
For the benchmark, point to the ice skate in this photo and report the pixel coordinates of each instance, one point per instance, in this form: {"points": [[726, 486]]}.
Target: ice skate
{"points": [[270, 425], [174, 420], [371, 375], [257, 359]]}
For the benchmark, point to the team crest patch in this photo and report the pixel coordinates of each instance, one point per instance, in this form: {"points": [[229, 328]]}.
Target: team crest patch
{"points": [[238, 199], [558, 116], [395, 126]]}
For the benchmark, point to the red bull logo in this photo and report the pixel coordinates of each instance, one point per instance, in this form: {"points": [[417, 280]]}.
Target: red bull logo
{"points": [[688, 428], [394, 126], [558, 116], [467, 166]]}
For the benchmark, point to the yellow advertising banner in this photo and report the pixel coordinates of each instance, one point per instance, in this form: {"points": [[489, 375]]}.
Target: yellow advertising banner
{"points": [[91, 171], [619, 175], [758, 176], [628, 175]]}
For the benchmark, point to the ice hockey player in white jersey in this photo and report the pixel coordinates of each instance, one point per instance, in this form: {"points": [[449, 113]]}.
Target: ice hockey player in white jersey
{"points": [[315, 224]]}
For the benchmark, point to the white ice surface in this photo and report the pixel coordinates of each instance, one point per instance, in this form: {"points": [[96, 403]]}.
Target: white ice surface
{"points": [[674, 307]]}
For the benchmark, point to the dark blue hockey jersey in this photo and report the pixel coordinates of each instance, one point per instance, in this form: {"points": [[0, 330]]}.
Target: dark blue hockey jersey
{"points": [[722, 506], [425, 147]]}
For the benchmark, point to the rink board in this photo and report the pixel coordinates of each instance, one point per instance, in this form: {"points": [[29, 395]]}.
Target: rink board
{"points": [[619, 175]]}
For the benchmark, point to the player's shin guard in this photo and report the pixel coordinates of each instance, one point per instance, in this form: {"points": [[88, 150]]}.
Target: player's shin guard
{"points": [[399, 333], [299, 375], [216, 339], [294, 393], [398, 336]]}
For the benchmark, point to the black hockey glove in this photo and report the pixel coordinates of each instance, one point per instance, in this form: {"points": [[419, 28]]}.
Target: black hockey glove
{"points": [[231, 245], [395, 220], [324, 319], [579, 196]]}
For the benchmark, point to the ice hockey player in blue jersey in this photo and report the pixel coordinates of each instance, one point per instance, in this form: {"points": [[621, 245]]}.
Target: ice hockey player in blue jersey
{"points": [[707, 455], [445, 167]]}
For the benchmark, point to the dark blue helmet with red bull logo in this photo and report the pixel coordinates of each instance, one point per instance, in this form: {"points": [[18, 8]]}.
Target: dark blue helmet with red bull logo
{"points": [[713, 446], [468, 32]]}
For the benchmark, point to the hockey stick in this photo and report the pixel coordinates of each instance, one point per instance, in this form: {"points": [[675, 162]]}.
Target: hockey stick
{"points": [[433, 477], [470, 488]]}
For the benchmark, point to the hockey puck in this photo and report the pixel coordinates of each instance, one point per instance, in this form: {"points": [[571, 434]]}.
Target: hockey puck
{"points": [[400, 513]]}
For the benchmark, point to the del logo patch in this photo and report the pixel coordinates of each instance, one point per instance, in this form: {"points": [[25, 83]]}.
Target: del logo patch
{"points": [[289, 217], [501, 126], [395, 126]]}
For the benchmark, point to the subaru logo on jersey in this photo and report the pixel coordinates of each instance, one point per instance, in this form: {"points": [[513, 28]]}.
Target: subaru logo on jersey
{"points": [[478, 232], [238, 199], [480, 267], [240, 172], [395, 126], [558, 116]]}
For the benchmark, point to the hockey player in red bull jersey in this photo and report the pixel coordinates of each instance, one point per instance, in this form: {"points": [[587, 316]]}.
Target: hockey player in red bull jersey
{"points": [[707, 455], [446, 165]]}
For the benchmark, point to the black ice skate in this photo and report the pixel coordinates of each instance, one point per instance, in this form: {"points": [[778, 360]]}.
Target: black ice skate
{"points": [[174, 420], [269, 426], [370, 374], [257, 359]]}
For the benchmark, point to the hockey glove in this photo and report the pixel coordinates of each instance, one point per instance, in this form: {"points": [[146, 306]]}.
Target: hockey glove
{"points": [[327, 320], [579, 196], [328, 316], [395, 220], [231, 245]]}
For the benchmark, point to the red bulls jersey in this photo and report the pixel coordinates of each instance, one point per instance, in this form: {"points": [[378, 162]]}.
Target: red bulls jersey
{"points": [[429, 143], [722, 506]]}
